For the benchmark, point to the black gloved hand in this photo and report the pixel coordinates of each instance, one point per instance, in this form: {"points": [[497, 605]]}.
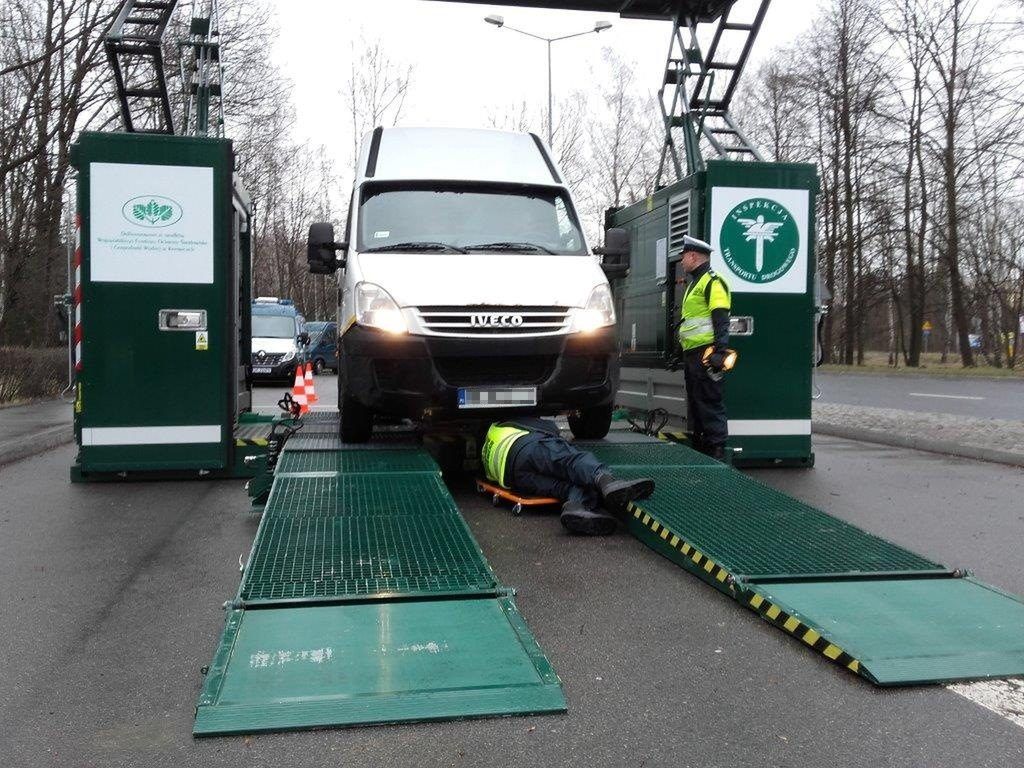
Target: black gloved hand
{"points": [[716, 361]]}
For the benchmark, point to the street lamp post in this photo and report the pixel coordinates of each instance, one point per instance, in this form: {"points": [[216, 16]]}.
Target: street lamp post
{"points": [[499, 21]]}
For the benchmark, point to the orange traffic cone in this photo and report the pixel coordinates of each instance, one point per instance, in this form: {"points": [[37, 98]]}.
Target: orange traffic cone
{"points": [[299, 391], [310, 388]]}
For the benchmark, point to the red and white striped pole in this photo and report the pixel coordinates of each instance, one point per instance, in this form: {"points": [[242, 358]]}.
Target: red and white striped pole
{"points": [[77, 298]]}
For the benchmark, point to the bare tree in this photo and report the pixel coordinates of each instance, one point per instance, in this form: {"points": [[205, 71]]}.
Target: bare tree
{"points": [[376, 90]]}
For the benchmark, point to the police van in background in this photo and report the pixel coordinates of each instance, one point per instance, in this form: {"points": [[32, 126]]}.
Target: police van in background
{"points": [[279, 338], [467, 289]]}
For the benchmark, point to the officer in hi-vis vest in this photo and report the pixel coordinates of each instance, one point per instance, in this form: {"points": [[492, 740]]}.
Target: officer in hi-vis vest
{"points": [[704, 337], [529, 456]]}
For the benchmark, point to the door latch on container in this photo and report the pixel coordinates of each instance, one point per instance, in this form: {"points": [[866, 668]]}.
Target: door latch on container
{"points": [[182, 320], [741, 326]]}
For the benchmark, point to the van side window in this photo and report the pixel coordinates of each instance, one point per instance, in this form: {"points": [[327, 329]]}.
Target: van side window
{"points": [[566, 229]]}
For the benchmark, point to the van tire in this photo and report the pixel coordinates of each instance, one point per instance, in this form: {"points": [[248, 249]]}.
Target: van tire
{"points": [[356, 421], [318, 366], [591, 423]]}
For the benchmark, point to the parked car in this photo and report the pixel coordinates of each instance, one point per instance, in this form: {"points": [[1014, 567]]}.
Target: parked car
{"points": [[323, 345], [279, 338]]}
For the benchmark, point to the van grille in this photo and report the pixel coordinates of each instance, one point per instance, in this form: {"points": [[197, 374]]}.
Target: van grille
{"points": [[511, 369], [493, 320], [271, 358]]}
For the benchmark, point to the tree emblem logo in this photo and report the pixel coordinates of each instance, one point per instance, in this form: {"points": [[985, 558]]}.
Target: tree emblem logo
{"points": [[759, 240], [152, 211]]}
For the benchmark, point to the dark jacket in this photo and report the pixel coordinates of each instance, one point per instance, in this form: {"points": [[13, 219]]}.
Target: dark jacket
{"points": [[538, 429]]}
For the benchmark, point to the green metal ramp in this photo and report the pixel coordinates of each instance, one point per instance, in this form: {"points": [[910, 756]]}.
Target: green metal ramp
{"points": [[878, 609], [380, 662], [902, 631], [365, 600]]}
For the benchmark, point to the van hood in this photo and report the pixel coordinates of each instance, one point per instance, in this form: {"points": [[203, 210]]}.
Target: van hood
{"points": [[272, 345], [504, 279]]}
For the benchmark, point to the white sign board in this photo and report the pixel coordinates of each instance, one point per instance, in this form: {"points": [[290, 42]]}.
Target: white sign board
{"points": [[150, 223], [760, 238]]}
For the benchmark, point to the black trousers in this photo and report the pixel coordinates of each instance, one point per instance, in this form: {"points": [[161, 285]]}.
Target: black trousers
{"points": [[706, 418], [551, 466]]}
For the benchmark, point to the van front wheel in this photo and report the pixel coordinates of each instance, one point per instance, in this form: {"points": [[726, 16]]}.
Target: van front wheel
{"points": [[591, 423], [356, 421]]}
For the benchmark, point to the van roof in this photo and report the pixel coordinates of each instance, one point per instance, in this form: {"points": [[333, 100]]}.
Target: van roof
{"points": [[456, 154], [266, 308]]}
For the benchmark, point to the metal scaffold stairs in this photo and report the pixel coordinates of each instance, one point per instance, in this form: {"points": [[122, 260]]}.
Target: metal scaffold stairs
{"points": [[133, 48], [201, 73], [698, 88]]}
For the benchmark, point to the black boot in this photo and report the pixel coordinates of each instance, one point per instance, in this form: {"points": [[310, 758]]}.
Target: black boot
{"points": [[717, 452], [587, 522], [618, 493]]}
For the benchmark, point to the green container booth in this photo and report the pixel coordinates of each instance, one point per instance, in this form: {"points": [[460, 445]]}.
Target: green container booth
{"points": [[759, 218], [161, 301]]}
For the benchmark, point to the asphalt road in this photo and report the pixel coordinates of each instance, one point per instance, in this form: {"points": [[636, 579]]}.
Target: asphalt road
{"points": [[981, 398], [112, 594]]}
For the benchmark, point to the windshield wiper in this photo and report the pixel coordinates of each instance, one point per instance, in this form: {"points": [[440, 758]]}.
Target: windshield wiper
{"points": [[503, 246], [417, 245]]}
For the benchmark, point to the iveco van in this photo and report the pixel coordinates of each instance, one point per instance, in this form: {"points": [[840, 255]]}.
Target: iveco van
{"points": [[279, 338], [467, 289]]}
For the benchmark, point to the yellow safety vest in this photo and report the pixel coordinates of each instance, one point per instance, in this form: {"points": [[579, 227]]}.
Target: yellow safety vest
{"points": [[708, 293], [494, 452]]}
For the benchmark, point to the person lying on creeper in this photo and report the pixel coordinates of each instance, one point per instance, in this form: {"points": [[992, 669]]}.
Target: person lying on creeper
{"points": [[529, 456]]}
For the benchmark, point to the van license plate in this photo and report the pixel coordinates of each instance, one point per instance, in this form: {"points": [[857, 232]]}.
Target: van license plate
{"points": [[495, 397], [261, 369]]}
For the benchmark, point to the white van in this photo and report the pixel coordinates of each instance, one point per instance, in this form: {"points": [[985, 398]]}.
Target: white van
{"points": [[466, 286]]}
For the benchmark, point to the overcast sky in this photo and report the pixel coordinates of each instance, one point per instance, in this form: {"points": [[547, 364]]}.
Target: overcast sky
{"points": [[464, 70]]}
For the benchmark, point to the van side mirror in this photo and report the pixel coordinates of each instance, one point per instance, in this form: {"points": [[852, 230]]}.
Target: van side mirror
{"points": [[321, 250], [614, 253], [303, 338]]}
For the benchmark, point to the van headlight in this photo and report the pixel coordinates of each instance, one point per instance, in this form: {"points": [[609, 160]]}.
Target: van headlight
{"points": [[289, 355], [376, 309], [599, 311]]}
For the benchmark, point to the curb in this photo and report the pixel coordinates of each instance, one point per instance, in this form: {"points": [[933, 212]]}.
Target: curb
{"points": [[31, 445], [917, 443]]}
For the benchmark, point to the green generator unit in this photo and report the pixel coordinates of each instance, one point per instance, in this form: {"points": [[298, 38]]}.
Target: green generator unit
{"points": [[161, 305], [759, 218]]}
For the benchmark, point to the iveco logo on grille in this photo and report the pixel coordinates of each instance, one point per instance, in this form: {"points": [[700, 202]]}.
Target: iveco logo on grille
{"points": [[496, 320]]}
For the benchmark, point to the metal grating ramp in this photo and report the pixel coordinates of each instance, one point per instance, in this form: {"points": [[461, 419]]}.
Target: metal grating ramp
{"points": [[335, 558], [331, 442], [647, 455], [752, 530], [366, 599], [351, 462], [875, 608], [403, 493]]}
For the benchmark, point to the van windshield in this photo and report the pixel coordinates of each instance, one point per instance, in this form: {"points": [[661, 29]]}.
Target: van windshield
{"points": [[475, 219], [272, 327]]}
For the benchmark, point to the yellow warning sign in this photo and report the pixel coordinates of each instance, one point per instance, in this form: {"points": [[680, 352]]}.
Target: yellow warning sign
{"points": [[202, 340], [926, 325]]}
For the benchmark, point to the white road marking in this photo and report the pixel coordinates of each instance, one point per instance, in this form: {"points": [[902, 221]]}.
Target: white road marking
{"points": [[1004, 697], [948, 397]]}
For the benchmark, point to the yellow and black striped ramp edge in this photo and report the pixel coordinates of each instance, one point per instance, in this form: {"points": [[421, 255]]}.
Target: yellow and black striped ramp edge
{"points": [[252, 434], [861, 602], [901, 631]]}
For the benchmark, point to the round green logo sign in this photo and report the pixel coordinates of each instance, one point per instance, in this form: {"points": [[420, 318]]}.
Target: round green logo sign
{"points": [[759, 240]]}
